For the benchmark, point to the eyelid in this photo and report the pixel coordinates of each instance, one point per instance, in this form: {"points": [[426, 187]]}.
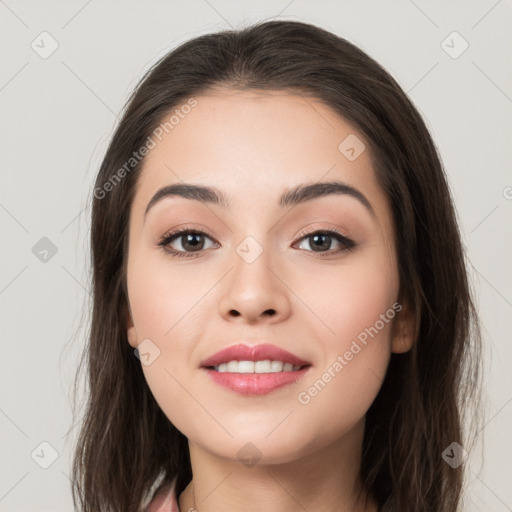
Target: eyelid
{"points": [[348, 243], [175, 233], [308, 230], [188, 227], [333, 232]]}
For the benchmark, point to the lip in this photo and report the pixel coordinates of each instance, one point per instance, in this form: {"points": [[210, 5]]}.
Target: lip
{"points": [[260, 352], [256, 383]]}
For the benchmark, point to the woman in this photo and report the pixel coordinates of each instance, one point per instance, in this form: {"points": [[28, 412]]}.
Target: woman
{"points": [[282, 318]]}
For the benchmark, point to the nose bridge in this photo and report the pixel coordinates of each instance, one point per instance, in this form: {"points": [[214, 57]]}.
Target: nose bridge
{"points": [[253, 289], [256, 243], [252, 261]]}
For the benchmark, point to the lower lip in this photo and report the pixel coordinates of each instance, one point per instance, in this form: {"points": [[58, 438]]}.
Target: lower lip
{"points": [[256, 383]]}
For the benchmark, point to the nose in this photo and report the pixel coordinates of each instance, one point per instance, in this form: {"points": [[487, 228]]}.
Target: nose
{"points": [[254, 292]]}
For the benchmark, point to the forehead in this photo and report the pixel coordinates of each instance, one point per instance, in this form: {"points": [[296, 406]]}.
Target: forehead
{"points": [[255, 144]]}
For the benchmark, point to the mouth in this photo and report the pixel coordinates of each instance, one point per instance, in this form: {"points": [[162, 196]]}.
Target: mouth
{"points": [[254, 370], [253, 378], [262, 366], [263, 358]]}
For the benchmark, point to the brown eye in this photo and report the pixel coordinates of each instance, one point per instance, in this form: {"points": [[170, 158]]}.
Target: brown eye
{"points": [[192, 241], [186, 242], [321, 241]]}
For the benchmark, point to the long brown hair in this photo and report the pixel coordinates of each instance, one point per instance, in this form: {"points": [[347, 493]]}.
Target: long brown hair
{"points": [[127, 448]]}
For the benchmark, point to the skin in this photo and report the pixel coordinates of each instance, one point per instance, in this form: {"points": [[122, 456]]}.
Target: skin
{"points": [[253, 146]]}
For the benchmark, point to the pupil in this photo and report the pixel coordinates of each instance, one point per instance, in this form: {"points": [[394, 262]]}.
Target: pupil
{"points": [[324, 246], [190, 240]]}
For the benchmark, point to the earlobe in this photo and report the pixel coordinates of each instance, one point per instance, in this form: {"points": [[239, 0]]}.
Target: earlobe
{"points": [[132, 336], [131, 332], [404, 331]]}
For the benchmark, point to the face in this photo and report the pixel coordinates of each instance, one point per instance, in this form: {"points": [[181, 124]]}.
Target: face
{"points": [[313, 275]]}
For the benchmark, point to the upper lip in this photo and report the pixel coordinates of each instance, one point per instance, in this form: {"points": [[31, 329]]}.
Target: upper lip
{"points": [[260, 352]]}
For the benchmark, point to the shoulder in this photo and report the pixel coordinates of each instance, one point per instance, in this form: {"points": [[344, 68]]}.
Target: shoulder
{"points": [[165, 501]]}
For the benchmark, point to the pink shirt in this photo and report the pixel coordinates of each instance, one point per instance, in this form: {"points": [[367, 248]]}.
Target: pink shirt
{"points": [[165, 501]]}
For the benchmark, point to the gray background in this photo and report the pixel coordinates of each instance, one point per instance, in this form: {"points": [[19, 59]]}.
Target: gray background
{"points": [[58, 113]]}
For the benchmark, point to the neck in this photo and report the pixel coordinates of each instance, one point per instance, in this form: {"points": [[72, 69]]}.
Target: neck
{"points": [[325, 480]]}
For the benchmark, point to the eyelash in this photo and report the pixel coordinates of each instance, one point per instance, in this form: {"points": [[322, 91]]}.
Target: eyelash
{"points": [[348, 243]]}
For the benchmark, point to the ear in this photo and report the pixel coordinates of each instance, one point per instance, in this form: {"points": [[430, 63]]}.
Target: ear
{"points": [[404, 329], [131, 333]]}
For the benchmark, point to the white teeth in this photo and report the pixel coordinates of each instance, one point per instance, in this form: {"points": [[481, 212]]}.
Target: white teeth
{"points": [[266, 366], [232, 366], [262, 366], [246, 367], [276, 366]]}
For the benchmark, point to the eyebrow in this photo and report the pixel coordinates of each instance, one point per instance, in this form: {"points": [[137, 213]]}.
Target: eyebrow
{"points": [[297, 195]]}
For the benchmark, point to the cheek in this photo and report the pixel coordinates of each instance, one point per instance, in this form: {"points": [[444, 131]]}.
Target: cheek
{"points": [[358, 312], [361, 300], [350, 299], [164, 298], [162, 309], [168, 304]]}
